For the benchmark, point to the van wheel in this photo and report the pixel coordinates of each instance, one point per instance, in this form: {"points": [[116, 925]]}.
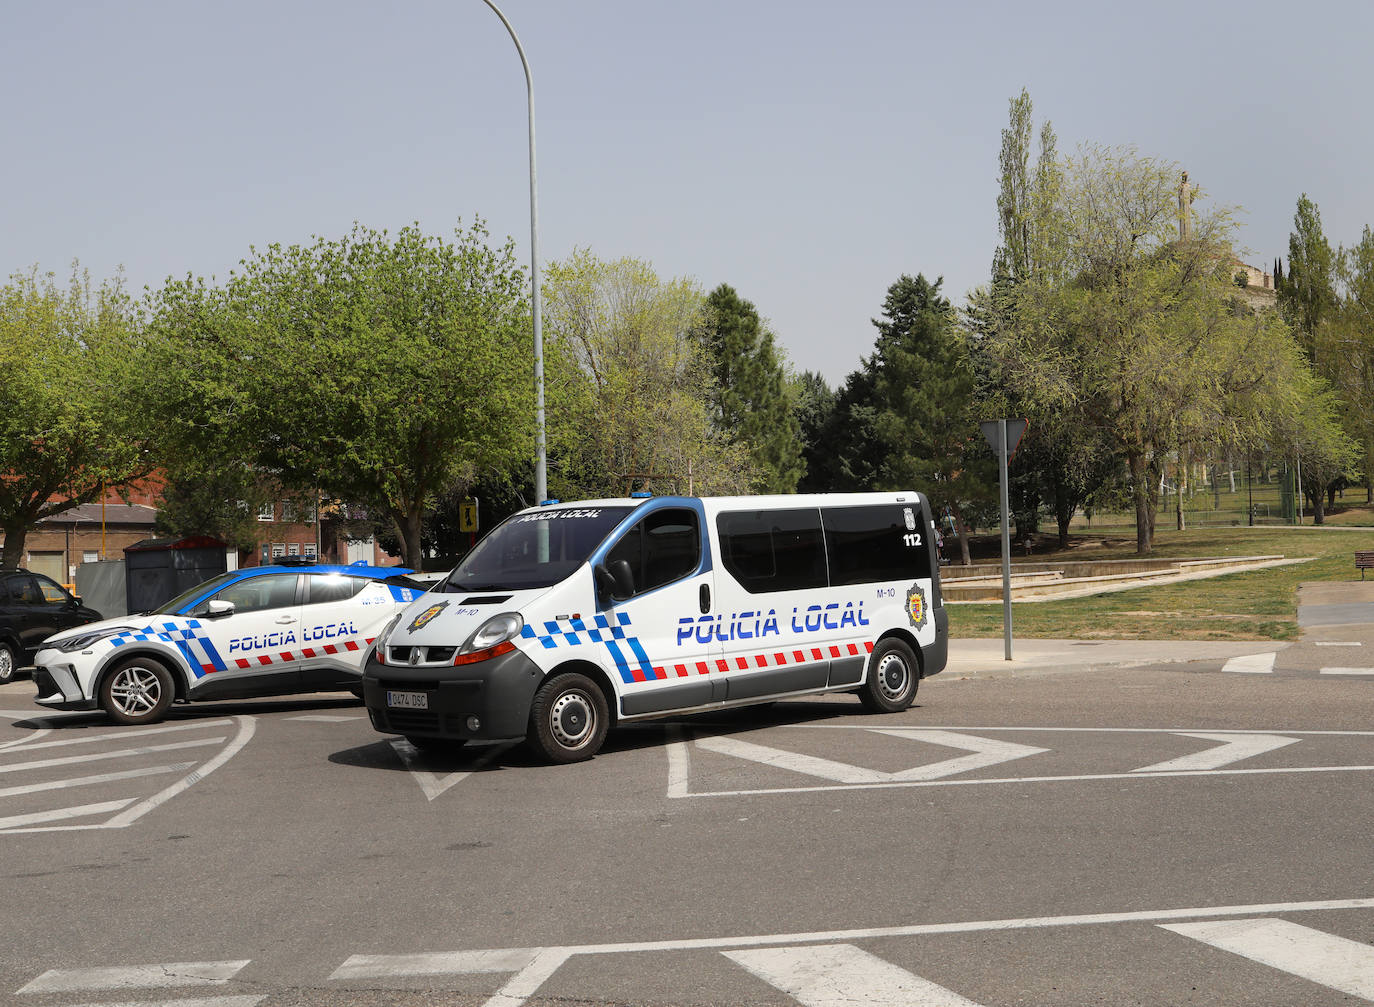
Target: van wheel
{"points": [[6, 664], [893, 676], [568, 719], [139, 691]]}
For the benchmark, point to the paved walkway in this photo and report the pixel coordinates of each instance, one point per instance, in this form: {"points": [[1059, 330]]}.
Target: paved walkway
{"points": [[1328, 611]]}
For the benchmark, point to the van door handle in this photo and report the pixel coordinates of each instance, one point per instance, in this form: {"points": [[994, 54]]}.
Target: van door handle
{"points": [[705, 598]]}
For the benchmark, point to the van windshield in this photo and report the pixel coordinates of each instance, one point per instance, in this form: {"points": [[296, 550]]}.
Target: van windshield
{"points": [[537, 549]]}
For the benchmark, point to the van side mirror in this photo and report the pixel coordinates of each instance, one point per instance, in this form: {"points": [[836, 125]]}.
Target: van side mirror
{"points": [[614, 580]]}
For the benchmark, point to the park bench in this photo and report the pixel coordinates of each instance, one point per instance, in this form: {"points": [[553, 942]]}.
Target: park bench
{"points": [[1364, 560]]}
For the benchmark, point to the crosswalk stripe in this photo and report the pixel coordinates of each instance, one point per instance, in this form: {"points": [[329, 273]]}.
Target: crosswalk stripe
{"points": [[141, 732], [237, 1000], [135, 977], [1335, 962], [1348, 671], [61, 814], [435, 963], [1252, 664], [69, 760], [842, 975], [83, 781]]}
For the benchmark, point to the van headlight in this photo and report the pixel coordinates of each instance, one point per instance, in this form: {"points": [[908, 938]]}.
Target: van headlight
{"points": [[496, 630]]}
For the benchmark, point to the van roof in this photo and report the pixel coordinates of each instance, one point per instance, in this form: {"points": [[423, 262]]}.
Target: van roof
{"points": [[787, 500]]}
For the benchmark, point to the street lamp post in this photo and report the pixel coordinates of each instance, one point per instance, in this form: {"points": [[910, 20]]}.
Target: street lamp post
{"points": [[541, 489]]}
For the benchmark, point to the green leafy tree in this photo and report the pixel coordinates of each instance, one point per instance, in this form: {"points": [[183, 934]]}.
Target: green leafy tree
{"points": [[1143, 337], [749, 400], [72, 418], [380, 370], [636, 388], [1354, 340], [220, 500], [815, 409]]}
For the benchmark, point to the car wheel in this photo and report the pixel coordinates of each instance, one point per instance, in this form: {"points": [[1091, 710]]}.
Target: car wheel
{"points": [[138, 691], [893, 676], [568, 719], [6, 663]]}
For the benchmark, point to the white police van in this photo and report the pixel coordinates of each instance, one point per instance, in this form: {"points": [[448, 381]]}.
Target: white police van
{"points": [[568, 618]]}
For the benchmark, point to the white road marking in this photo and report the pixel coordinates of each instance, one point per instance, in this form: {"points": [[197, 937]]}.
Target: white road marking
{"points": [[324, 718], [1335, 962], [101, 756], [15, 823], [1348, 671], [841, 975], [1233, 748], [133, 813], [1082, 778], [240, 1000], [163, 976], [84, 781], [439, 963], [526, 982], [1095, 730], [432, 784], [986, 752], [679, 762], [539, 963], [1338, 643], [810, 765], [143, 732], [1252, 664]]}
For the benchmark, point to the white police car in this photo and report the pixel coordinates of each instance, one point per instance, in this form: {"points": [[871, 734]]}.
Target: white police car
{"points": [[263, 631]]}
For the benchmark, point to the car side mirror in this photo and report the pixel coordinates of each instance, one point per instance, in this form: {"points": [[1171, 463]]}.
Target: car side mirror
{"points": [[76, 600], [614, 580], [217, 609]]}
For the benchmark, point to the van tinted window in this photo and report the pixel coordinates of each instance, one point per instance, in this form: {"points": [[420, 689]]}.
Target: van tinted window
{"points": [[777, 550], [876, 543], [662, 548]]}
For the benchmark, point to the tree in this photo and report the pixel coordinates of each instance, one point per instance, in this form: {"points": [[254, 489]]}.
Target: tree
{"points": [[214, 499], [72, 420], [924, 403], [1143, 337], [750, 400], [815, 407], [1308, 295], [1354, 341], [378, 370], [636, 386]]}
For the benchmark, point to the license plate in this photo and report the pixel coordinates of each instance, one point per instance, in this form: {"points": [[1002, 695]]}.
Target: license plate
{"points": [[408, 700]]}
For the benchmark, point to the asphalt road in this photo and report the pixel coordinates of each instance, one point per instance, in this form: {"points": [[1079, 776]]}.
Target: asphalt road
{"points": [[1166, 834]]}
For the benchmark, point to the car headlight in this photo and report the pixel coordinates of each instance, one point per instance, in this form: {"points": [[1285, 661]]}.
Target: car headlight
{"points": [[84, 640], [496, 630], [385, 634]]}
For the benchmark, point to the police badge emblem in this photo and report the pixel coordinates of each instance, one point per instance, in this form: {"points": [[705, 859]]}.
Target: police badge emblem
{"points": [[916, 606], [423, 619]]}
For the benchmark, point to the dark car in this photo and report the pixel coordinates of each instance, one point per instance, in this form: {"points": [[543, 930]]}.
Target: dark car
{"points": [[33, 608]]}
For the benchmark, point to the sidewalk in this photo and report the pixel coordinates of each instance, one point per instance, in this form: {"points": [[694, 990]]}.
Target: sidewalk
{"points": [[987, 657]]}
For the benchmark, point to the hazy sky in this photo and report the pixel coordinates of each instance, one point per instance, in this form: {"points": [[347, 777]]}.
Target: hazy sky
{"points": [[807, 153]]}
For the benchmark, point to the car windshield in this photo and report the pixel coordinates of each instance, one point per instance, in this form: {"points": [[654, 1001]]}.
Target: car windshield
{"points": [[213, 584], [537, 549]]}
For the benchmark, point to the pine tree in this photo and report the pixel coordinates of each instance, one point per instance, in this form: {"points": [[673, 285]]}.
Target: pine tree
{"points": [[750, 401]]}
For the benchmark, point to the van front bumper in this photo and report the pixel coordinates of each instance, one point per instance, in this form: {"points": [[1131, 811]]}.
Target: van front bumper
{"points": [[489, 701]]}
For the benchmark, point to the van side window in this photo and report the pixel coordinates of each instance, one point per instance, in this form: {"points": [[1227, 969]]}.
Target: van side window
{"points": [[867, 544], [775, 550], [662, 548]]}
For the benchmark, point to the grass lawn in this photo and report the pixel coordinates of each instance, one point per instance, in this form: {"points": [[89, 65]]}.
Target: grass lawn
{"points": [[1260, 605]]}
